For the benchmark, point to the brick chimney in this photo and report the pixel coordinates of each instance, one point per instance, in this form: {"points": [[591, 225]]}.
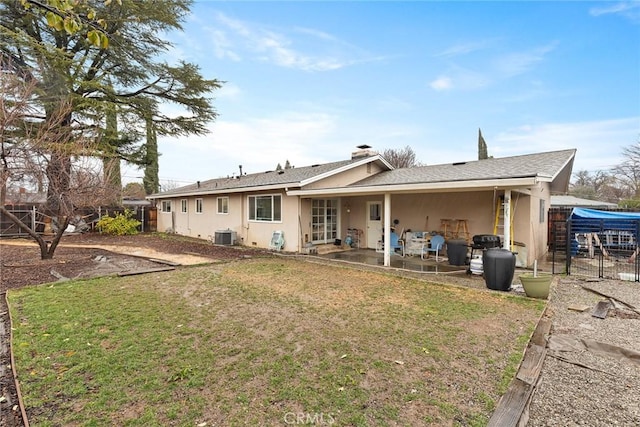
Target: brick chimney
{"points": [[363, 150]]}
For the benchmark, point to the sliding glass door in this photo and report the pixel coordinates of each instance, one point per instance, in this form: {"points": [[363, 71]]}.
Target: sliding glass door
{"points": [[324, 220]]}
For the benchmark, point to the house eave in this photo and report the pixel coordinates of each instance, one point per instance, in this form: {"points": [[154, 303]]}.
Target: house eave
{"points": [[210, 192], [432, 187]]}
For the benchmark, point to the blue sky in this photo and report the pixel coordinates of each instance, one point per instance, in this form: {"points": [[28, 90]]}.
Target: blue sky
{"points": [[309, 81]]}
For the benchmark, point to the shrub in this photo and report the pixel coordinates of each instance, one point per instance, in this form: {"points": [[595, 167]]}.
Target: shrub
{"points": [[121, 224]]}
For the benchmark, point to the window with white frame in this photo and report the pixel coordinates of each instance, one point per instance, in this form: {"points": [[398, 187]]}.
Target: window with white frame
{"points": [[198, 205], [265, 208], [166, 206], [183, 205], [223, 205]]}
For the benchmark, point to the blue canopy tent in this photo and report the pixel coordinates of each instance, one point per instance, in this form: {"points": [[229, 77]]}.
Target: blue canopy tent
{"points": [[610, 216], [612, 230]]}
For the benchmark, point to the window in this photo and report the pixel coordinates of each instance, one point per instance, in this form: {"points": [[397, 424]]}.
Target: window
{"points": [[223, 205], [183, 205], [166, 206], [265, 208], [198, 205], [542, 211]]}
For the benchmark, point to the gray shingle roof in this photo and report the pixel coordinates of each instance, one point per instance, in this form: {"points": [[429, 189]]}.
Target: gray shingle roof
{"points": [[540, 164], [547, 164], [571, 201], [291, 176]]}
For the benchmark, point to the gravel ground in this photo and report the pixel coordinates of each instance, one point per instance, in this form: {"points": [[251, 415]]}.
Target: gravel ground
{"points": [[579, 387]]}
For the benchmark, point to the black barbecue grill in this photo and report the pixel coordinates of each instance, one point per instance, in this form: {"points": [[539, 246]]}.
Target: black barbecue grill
{"points": [[485, 241]]}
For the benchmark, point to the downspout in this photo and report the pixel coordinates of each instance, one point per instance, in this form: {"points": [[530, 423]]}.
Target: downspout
{"points": [[387, 230], [300, 243], [244, 217], [506, 244]]}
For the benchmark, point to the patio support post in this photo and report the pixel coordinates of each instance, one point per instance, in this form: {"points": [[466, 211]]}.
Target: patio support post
{"points": [[387, 229], [507, 219]]}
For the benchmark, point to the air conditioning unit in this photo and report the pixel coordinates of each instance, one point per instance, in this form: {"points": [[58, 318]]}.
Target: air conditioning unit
{"points": [[225, 237]]}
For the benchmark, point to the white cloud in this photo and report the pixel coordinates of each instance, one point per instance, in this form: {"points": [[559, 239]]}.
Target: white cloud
{"points": [[228, 91], [309, 50], [479, 73], [464, 48], [258, 144], [599, 143], [442, 83], [461, 79], [520, 62], [222, 46], [628, 9]]}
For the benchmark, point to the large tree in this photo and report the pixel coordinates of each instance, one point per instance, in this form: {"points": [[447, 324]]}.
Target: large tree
{"points": [[80, 79], [401, 157], [627, 173], [599, 185], [29, 148]]}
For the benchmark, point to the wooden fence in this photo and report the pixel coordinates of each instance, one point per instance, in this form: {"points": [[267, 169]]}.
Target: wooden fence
{"points": [[84, 219]]}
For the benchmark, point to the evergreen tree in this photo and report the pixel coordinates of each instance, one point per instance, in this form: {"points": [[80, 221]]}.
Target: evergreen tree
{"points": [[151, 180], [482, 147], [83, 58], [88, 69], [111, 161]]}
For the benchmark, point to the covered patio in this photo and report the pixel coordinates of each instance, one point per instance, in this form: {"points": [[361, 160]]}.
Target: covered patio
{"points": [[411, 263]]}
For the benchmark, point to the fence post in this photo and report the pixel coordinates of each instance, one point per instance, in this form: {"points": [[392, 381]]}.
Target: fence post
{"points": [[142, 218], [636, 262], [33, 218]]}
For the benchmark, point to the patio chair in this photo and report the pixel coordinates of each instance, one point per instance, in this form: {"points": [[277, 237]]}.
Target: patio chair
{"points": [[434, 245], [397, 242]]}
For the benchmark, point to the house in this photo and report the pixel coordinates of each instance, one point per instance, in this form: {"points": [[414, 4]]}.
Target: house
{"points": [[566, 201], [320, 203]]}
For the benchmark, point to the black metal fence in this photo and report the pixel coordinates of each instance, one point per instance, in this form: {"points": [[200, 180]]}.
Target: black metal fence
{"points": [[599, 248], [83, 220]]}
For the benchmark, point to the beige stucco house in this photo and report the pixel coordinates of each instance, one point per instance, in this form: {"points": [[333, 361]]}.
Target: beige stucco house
{"points": [[365, 197]]}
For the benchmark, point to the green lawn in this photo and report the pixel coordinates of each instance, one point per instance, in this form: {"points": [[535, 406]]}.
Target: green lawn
{"points": [[265, 342]]}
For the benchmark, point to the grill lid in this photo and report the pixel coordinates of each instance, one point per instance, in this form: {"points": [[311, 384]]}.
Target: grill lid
{"points": [[485, 240]]}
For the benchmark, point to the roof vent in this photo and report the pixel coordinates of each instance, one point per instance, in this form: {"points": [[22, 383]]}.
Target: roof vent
{"points": [[280, 172], [459, 163]]}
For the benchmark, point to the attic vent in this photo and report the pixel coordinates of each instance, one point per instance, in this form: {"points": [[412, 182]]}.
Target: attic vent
{"points": [[280, 172], [459, 163], [315, 166]]}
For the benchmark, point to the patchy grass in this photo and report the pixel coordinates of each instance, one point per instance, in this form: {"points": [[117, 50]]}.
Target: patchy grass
{"points": [[265, 342]]}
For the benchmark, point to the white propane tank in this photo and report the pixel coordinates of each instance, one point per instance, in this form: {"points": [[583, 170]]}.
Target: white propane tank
{"points": [[475, 265]]}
